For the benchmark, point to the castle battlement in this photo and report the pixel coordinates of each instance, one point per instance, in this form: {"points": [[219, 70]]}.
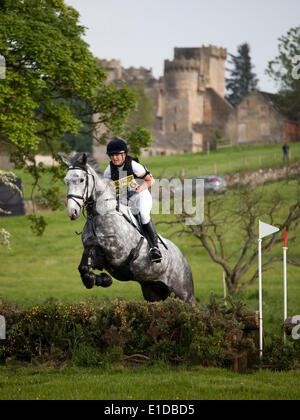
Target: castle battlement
{"points": [[214, 51], [200, 52], [207, 61], [181, 64], [110, 64]]}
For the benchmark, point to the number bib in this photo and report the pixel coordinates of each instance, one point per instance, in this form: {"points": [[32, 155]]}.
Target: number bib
{"points": [[125, 185]]}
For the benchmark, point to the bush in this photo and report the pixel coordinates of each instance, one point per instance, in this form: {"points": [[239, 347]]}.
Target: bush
{"points": [[86, 356], [279, 356], [99, 333]]}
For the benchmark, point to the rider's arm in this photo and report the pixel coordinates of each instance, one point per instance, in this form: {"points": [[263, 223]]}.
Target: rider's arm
{"points": [[107, 173], [142, 172], [149, 180]]}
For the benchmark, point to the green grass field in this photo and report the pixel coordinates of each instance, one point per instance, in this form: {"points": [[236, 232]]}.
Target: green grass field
{"points": [[157, 383], [38, 268], [224, 162]]}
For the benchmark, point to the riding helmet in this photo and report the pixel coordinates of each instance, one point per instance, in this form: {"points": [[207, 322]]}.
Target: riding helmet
{"points": [[116, 145]]}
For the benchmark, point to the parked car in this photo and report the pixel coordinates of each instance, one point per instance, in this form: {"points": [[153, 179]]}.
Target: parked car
{"points": [[212, 184]]}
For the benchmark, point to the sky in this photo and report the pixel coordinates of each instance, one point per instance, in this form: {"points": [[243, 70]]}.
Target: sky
{"points": [[144, 33]]}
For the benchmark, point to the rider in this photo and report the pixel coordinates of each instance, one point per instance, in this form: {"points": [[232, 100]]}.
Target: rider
{"points": [[125, 171]]}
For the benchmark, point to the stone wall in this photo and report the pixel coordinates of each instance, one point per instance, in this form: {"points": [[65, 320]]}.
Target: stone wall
{"points": [[216, 113], [261, 176]]}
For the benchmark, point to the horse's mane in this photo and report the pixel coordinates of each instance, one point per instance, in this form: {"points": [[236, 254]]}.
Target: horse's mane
{"points": [[77, 158]]}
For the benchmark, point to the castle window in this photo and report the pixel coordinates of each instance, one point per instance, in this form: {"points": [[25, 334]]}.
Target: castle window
{"points": [[175, 127], [160, 122]]}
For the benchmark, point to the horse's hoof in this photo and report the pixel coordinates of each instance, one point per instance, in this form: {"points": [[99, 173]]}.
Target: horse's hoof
{"points": [[103, 280]]}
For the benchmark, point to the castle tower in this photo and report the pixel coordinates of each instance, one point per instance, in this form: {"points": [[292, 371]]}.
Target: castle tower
{"points": [[211, 61], [186, 79], [113, 69], [183, 105]]}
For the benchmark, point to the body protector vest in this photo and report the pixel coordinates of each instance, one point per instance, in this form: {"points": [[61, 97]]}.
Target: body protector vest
{"points": [[128, 182]]}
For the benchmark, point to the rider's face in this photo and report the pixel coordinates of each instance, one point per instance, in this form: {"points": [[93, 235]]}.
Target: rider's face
{"points": [[118, 158]]}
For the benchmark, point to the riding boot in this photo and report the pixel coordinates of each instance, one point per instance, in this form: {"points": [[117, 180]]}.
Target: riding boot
{"points": [[151, 234]]}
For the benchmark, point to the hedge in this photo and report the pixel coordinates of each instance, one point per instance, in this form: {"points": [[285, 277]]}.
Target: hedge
{"points": [[100, 333]]}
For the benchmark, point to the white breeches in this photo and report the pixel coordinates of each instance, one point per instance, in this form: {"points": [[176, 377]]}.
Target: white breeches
{"points": [[142, 203]]}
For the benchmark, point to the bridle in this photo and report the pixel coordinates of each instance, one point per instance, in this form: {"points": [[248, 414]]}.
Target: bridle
{"points": [[87, 201]]}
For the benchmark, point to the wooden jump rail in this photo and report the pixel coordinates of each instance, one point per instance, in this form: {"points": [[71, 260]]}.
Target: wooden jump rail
{"points": [[245, 359]]}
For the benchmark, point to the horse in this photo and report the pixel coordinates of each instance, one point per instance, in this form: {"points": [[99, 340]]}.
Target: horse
{"points": [[113, 240]]}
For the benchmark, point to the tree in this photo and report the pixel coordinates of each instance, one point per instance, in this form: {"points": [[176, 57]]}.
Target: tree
{"points": [[83, 141], [217, 139], [285, 70], [137, 139], [242, 80], [143, 114], [48, 64], [139, 120], [229, 231]]}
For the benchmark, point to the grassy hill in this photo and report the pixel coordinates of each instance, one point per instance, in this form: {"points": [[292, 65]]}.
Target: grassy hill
{"points": [[223, 162]]}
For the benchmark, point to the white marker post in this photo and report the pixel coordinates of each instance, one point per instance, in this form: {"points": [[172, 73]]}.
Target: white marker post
{"points": [[2, 328], [264, 230], [284, 283]]}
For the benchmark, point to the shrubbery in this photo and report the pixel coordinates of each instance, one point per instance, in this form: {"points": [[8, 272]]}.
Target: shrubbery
{"points": [[95, 333]]}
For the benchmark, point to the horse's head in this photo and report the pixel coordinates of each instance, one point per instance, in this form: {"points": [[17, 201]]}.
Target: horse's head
{"points": [[80, 183]]}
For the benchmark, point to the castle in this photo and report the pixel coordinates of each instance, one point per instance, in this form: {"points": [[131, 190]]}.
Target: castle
{"points": [[190, 105]]}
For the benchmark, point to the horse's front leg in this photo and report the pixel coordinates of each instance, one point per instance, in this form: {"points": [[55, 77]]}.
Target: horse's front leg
{"points": [[90, 260], [87, 277]]}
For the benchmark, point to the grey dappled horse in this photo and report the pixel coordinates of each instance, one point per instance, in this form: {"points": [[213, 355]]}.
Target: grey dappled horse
{"points": [[113, 242]]}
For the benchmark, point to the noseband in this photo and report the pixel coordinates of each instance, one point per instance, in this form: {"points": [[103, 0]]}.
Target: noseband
{"points": [[86, 200]]}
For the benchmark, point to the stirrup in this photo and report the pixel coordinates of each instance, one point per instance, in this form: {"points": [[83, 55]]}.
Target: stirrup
{"points": [[155, 254]]}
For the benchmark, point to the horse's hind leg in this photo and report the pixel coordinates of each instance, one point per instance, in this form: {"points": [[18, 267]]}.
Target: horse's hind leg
{"points": [[155, 291]]}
